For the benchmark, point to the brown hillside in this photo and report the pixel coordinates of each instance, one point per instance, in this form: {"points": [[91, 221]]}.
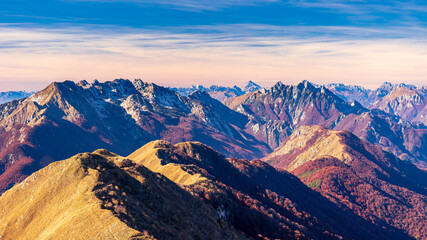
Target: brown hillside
{"points": [[354, 173]]}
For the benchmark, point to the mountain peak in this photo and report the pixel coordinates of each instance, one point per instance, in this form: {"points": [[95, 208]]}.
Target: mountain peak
{"points": [[250, 83], [305, 84], [83, 83], [198, 94], [138, 83], [250, 86], [279, 85], [385, 87]]}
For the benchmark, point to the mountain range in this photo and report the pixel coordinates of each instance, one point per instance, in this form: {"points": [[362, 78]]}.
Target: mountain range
{"points": [[220, 93], [68, 118], [122, 115], [13, 95], [275, 113], [329, 169], [404, 100]]}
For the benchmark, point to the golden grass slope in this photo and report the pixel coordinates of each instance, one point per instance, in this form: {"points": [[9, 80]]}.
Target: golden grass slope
{"points": [[101, 195], [155, 156], [57, 202], [308, 143]]}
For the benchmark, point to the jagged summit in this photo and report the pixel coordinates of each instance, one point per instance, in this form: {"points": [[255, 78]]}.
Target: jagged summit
{"points": [[277, 112], [250, 83], [279, 85], [304, 83], [289, 106], [198, 94], [250, 87]]}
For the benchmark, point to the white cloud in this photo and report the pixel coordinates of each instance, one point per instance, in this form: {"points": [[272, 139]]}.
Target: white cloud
{"points": [[233, 53]]}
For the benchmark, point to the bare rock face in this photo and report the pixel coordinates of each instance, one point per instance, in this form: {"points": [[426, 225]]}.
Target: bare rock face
{"points": [[352, 172], [66, 118], [274, 115]]}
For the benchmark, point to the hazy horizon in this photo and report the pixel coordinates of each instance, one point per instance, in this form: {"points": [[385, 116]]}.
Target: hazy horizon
{"points": [[177, 85]]}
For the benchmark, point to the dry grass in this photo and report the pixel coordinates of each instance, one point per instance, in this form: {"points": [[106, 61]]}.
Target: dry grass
{"points": [[57, 202], [149, 157], [309, 146], [101, 195]]}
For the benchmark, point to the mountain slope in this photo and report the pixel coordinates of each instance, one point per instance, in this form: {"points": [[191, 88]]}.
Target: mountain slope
{"points": [[247, 192], [103, 196], [274, 114], [67, 118], [374, 184]]}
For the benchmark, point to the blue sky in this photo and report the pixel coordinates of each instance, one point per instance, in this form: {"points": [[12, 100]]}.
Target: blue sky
{"points": [[222, 42], [152, 14]]}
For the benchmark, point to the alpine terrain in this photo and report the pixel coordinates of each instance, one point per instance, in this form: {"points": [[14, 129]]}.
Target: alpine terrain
{"points": [[165, 191], [66, 118], [276, 113]]}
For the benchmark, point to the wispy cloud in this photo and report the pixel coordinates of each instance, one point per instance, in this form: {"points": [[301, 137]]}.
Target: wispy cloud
{"points": [[359, 6], [365, 9], [192, 5], [221, 54]]}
